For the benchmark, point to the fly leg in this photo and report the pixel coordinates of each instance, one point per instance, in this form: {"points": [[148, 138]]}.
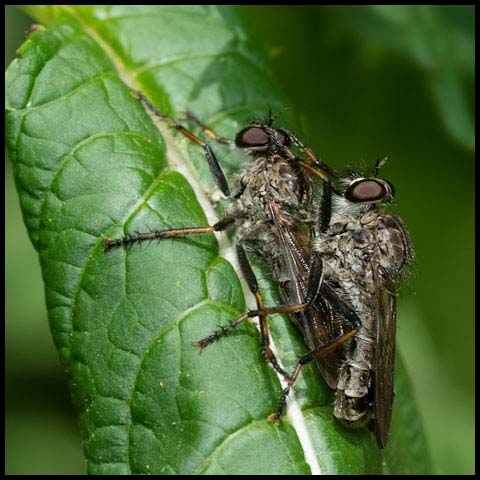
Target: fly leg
{"points": [[215, 169], [314, 161], [110, 244], [262, 312], [253, 286], [313, 164], [206, 130], [350, 316], [325, 207]]}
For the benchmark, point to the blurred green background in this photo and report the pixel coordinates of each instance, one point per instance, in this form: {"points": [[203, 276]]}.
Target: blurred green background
{"points": [[366, 82]]}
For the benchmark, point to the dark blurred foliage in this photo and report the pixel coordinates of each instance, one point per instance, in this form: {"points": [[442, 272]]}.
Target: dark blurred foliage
{"points": [[367, 82]]}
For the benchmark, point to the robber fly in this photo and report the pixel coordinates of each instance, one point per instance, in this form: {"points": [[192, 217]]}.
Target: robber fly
{"points": [[365, 252], [335, 265]]}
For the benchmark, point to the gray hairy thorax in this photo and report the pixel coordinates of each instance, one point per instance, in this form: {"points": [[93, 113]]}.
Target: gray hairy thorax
{"points": [[273, 195], [353, 244]]}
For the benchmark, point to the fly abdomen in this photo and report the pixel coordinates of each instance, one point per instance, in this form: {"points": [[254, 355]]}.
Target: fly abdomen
{"points": [[352, 395]]}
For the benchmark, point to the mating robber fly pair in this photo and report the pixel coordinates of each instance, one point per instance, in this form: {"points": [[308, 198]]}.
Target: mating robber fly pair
{"points": [[336, 263]]}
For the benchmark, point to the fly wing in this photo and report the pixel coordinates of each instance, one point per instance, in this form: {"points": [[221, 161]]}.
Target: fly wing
{"points": [[386, 316], [318, 324], [323, 325]]}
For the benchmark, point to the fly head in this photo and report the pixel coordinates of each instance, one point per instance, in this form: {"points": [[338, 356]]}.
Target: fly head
{"points": [[259, 137]]}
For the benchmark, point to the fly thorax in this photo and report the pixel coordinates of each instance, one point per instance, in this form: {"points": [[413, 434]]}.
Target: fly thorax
{"points": [[394, 249], [273, 181], [346, 249], [270, 191]]}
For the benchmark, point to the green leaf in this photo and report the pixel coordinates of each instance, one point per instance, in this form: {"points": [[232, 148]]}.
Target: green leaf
{"points": [[90, 163]]}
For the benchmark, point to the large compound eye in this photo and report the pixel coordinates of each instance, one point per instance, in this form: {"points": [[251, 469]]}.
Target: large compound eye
{"points": [[252, 137], [368, 190]]}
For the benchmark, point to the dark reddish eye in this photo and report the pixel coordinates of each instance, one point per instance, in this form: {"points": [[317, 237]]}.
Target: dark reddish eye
{"points": [[251, 137], [366, 191]]}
